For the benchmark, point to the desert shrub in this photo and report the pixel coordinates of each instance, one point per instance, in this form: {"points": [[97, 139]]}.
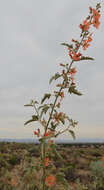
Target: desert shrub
{"points": [[34, 152], [97, 174], [13, 160], [80, 186], [30, 180], [4, 161], [70, 172]]}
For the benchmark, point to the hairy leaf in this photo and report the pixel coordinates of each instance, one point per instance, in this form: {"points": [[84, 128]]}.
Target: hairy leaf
{"points": [[31, 103], [28, 105], [67, 45], [44, 110], [72, 89], [34, 118], [55, 77], [72, 133], [73, 123], [86, 58], [45, 97]]}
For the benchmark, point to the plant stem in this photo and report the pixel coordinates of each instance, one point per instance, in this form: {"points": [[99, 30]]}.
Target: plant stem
{"points": [[44, 169], [54, 104], [62, 87], [57, 97]]}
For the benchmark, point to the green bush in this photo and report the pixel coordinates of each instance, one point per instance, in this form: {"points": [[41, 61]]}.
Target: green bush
{"points": [[81, 186], [97, 174], [13, 160], [4, 161]]}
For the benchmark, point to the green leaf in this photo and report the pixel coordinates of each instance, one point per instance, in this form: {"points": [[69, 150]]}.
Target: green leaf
{"points": [[67, 45], [86, 58], [29, 121], [28, 105], [72, 133], [31, 103], [98, 6], [72, 89], [45, 97], [73, 123], [60, 177], [44, 110], [34, 118], [55, 77]]}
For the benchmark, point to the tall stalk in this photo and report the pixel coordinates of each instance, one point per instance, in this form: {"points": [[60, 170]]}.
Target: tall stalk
{"points": [[85, 39]]}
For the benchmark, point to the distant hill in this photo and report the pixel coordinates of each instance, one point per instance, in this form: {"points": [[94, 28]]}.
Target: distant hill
{"points": [[59, 141]]}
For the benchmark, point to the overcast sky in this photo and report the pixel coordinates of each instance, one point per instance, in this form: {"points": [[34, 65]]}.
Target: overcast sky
{"points": [[30, 52]]}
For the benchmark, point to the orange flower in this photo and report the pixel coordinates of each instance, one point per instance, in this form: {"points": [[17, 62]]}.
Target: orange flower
{"points": [[62, 94], [50, 180], [72, 79], [89, 38], [96, 14], [86, 42], [73, 71], [70, 53], [48, 133], [14, 181], [37, 133], [76, 56], [85, 26], [47, 161], [96, 23]]}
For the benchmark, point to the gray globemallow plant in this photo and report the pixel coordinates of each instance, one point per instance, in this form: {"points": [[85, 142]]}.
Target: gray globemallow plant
{"points": [[48, 111]]}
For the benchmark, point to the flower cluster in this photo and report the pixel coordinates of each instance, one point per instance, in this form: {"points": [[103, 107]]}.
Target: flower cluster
{"points": [[47, 161], [92, 19], [96, 17], [85, 26], [86, 42], [74, 56], [72, 72]]}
